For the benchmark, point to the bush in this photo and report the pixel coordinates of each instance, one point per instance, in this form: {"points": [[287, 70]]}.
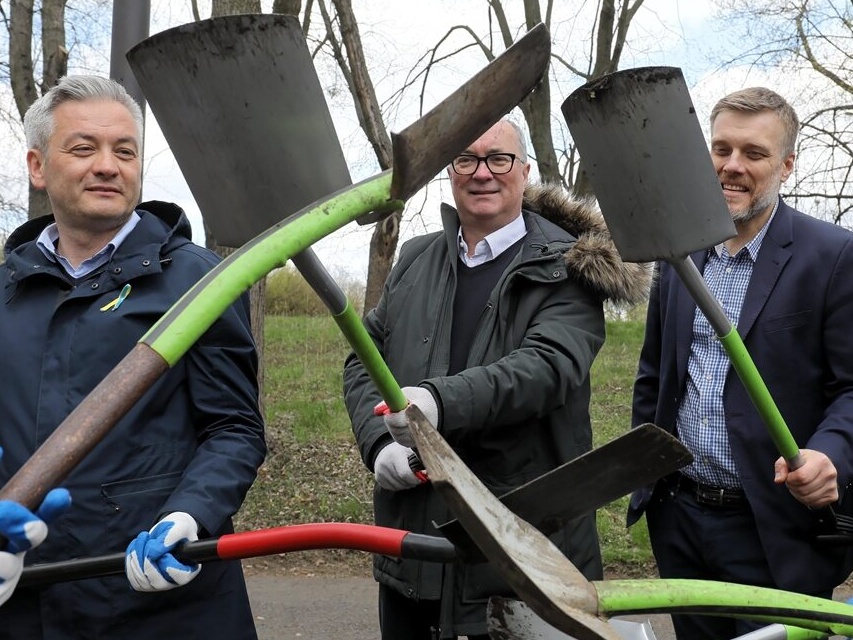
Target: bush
{"points": [[289, 294]]}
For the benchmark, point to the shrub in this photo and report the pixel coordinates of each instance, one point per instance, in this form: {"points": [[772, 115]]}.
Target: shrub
{"points": [[289, 294]]}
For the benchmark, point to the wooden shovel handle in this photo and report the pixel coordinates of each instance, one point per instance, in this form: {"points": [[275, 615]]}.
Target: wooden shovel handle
{"points": [[85, 427]]}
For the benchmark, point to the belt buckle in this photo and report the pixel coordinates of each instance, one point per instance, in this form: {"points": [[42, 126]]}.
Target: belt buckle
{"points": [[711, 497]]}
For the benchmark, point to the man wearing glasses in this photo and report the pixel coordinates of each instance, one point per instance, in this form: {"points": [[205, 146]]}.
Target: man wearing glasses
{"points": [[491, 326]]}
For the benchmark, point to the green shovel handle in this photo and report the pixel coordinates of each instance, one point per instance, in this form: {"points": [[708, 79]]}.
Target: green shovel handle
{"points": [[810, 613], [192, 315], [362, 344], [348, 321], [740, 359], [180, 327], [761, 398]]}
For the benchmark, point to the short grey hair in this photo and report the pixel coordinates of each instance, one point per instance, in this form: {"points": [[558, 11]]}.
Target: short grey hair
{"points": [[519, 132], [38, 120]]}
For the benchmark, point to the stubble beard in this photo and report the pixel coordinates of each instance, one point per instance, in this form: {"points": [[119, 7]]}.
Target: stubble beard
{"points": [[759, 205]]}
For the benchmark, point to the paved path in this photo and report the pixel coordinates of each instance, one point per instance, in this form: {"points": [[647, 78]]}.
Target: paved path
{"points": [[320, 608]]}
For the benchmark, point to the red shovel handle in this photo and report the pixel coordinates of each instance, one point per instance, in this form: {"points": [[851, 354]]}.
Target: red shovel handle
{"points": [[361, 537], [251, 544]]}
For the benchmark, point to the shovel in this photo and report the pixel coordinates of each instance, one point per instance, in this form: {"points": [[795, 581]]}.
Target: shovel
{"points": [[588, 482], [421, 150], [661, 198], [558, 593]]}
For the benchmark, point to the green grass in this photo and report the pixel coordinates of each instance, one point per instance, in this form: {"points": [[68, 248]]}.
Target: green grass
{"points": [[313, 472], [612, 381], [304, 358]]}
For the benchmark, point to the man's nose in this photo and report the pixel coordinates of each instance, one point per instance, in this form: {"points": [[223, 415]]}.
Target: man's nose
{"points": [[105, 163], [482, 172], [733, 163]]}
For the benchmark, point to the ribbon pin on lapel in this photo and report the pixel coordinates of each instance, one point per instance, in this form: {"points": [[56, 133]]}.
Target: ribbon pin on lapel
{"points": [[115, 304]]}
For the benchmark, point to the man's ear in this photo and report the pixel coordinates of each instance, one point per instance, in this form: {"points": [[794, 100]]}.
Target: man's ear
{"points": [[788, 166], [35, 167]]}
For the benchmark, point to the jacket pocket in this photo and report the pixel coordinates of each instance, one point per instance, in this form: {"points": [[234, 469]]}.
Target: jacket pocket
{"points": [[787, 322], [134, 504]]}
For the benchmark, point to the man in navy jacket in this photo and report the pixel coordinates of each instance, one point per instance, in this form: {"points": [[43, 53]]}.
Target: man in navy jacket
{"points": [[737, 513], [80, 288]]}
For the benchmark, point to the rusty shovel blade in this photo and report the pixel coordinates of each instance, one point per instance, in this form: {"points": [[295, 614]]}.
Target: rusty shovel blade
{"points": [[530, 563]]}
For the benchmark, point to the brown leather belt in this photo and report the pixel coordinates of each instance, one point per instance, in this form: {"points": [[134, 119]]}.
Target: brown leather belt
{"points": [[709, 496]]}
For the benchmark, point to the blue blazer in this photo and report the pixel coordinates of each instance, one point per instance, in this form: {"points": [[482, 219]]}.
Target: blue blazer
{"points": [[797, 324]]}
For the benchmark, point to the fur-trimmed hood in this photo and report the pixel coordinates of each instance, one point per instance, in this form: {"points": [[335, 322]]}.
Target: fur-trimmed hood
{"points": [[593, 258]]}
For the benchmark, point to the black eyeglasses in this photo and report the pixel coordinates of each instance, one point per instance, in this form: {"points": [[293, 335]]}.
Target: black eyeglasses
{"points": [[498, 163]]}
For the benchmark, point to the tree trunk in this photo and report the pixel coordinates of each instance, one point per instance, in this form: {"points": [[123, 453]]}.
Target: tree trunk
{"points": [[537, 112], [21, 72], [383, 242], [383, 245], [610, 41]]}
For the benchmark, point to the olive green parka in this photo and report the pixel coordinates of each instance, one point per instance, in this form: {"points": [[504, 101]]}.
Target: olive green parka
{"points": [[521, 407]]}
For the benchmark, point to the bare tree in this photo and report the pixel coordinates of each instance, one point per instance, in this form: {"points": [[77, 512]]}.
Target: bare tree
{"points": [[811, 39], [26, 88], [349, 55]]}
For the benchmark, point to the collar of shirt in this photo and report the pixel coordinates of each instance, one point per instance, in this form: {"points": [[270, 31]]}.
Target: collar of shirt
{"points": [[493, 244], [754, 245], [50, 235]]}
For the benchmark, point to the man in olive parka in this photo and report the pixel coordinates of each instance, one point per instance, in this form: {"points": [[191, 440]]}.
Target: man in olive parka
{"points": [[491, 327]]}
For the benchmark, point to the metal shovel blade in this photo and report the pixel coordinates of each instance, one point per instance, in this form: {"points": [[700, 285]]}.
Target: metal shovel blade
{"points": [[643, 149], [530, 563], [641, 456], [240, 103], [509, 619]]}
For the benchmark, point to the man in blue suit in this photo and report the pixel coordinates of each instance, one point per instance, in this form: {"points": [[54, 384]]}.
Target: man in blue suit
{"points": [[737, 514]]}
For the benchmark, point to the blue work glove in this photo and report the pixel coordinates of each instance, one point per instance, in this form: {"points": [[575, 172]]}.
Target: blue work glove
{"points": [[24, 530], [392, 469], [149, 563], [396, 422]]}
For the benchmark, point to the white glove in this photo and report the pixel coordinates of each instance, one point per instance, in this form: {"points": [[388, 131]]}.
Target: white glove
{"points": [[396, 422], [24, 530], [149, 563], [392, 470]]}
